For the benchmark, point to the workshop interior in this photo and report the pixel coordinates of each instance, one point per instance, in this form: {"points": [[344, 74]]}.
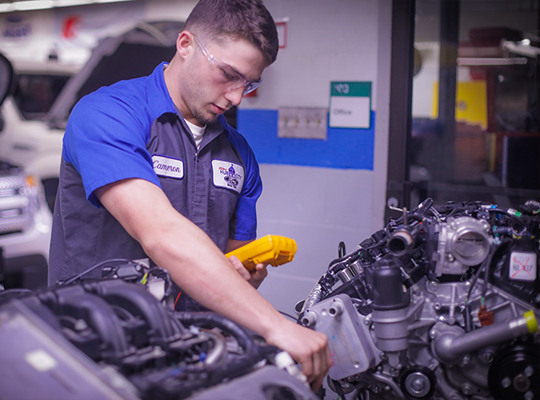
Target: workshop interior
{"points": [[399, 149]]}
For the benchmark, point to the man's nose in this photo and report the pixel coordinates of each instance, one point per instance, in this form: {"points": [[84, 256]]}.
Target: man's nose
{"points": [[235, 95]]}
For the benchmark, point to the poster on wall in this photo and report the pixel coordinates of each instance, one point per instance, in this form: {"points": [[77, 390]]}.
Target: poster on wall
{"points": [[281, 26], [85, 26], [15, 27], [350, 105]]}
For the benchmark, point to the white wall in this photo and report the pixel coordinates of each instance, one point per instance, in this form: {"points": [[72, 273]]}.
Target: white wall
{"points": [[343, 40], [327, 40]]}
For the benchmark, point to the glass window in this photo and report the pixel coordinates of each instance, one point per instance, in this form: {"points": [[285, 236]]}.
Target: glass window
{"points": [[35, 94], [475, 127]]}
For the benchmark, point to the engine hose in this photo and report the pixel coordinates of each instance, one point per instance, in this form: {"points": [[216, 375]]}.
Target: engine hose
{"points": [[344, 260], [424, 206], [218, 352], [339, 389], [451, 344], [485, 265], [342, 249], [487, 268], [211, 320], [404, 220], [467, 317], [510, 213], [253, 353], [93, 268]]}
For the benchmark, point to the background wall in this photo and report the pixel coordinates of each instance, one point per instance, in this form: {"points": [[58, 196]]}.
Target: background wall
{"points": [[338, 193], [319, 207]]}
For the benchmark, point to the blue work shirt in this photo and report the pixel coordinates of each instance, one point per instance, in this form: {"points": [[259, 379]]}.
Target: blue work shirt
{"points": [[133, 130]]}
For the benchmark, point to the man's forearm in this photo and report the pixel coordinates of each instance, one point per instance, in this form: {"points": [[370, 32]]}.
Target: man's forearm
{"points": [[207, 276]]}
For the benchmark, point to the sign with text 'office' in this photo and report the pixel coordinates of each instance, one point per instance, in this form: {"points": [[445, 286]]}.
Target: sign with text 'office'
{"points": [[350, 105]]}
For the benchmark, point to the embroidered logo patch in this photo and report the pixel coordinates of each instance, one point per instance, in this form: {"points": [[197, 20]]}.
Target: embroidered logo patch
{"points": [[228, 175], [166, 166]]}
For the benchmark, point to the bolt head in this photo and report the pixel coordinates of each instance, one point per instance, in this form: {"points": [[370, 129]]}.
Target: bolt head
{"points": [[506, 382], [521, 383], [466, 389], [417, 385], [488, 357]]}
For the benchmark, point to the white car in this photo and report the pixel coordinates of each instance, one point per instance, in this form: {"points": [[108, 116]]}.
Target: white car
{"points": [[34, 117], [25, 218], [32, 145]]}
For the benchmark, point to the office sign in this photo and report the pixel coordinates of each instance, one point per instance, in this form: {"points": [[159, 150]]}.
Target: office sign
{"points": [[350, 105]]}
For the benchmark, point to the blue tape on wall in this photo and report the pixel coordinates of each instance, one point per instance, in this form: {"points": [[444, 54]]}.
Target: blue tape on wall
{"points": [[344, 148]]}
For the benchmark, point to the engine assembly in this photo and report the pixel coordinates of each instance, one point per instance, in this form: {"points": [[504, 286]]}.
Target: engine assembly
{"points": [[440, 304], [111, 338]]}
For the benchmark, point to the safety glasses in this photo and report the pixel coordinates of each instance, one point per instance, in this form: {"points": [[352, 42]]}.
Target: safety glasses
{"points": [[232, 78]]}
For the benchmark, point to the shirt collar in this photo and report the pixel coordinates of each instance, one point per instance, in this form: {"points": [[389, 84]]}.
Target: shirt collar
{"points": [[159, 99], [160, 102]]}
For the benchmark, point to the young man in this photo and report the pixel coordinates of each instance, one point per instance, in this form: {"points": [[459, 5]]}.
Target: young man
{"points": [[151, 169]]}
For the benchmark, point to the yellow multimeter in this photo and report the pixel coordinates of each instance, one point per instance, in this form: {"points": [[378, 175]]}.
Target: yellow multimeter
{"points": [[271, 249]]}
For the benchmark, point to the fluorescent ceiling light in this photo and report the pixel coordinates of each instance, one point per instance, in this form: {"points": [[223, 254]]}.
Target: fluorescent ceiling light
{"points": [[491, 61], [32, 5], [67, 3], [29, 5]]}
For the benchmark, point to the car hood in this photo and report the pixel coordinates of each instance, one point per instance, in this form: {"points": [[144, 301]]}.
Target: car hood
{"points": [[132, 54]]}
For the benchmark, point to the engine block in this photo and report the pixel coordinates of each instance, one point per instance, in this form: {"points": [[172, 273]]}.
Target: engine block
{"points": [[441, 304]]}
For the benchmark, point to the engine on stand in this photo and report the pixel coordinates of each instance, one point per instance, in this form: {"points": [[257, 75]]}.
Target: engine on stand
{"points": [[440, 304]]}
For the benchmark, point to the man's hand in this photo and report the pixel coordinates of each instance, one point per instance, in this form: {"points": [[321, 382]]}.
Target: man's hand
{"points": [[307, 347], [255, 277]]}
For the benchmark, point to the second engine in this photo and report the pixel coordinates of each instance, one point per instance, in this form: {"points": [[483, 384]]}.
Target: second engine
{"points": [[441, 304]]}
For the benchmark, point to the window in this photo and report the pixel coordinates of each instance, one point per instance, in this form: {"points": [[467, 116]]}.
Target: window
{"points": [[475, 131], [35, 94]]}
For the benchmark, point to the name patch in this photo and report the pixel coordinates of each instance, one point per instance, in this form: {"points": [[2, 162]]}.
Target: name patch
{"points": [[166, 166], [228, 175]]}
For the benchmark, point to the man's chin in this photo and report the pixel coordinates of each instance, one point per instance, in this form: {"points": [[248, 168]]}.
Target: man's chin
{"points": [[206, 119]]}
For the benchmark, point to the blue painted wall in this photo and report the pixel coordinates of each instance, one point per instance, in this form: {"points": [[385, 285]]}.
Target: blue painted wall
{"points": [[344, 148]]}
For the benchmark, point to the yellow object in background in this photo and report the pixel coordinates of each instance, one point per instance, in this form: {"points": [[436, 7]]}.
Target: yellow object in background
{"points": [[471, 102], [271, 249]]}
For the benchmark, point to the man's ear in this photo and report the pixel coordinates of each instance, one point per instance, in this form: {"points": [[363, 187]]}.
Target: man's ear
{"points": [[184, 44]]}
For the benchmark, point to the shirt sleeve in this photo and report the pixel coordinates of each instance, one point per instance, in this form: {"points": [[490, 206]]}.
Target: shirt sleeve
{"points": [[106, 140]]}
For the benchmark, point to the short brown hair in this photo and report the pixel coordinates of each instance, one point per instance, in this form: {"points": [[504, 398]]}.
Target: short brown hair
{"points": [[245, 19]]}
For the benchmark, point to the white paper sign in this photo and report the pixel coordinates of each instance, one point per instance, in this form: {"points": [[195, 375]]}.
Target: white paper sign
{"points": [[350, 112]]}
